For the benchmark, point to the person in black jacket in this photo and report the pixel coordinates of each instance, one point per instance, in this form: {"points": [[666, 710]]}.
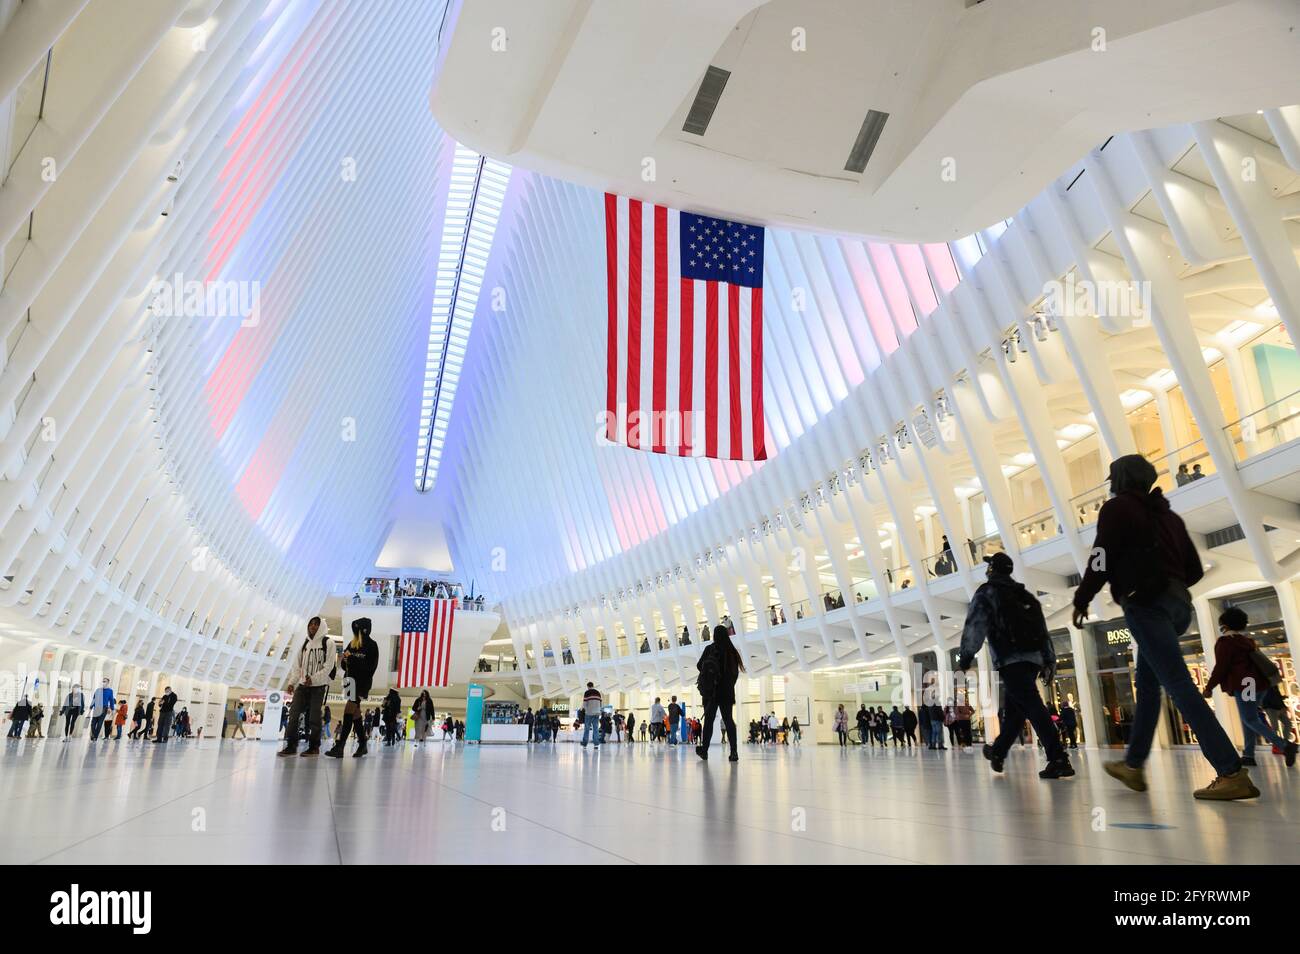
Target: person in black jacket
{"points": [[909, 725], [1143, 551], [1021, 658], [391, 708], [165, 706], [359, 660], [720, 666]]}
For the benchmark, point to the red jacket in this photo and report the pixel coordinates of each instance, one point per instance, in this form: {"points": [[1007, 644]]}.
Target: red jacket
{"points": [[1232, 665]]}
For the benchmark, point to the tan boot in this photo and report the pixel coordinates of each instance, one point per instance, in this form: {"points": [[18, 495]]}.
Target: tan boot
{"points": [[1134, 778], [1227, 788]]}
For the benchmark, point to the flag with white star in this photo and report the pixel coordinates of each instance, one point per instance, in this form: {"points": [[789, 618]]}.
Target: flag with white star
{"points": [[685, 332]]}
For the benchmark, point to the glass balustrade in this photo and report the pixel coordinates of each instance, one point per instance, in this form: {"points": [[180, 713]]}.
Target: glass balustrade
{"points": [[900, 578], [1271, 426]]}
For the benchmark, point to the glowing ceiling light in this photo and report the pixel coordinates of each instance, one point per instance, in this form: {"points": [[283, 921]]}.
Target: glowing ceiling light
{"points": [[474, 199]]}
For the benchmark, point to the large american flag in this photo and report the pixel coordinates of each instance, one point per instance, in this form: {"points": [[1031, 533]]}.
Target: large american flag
{"points": [[685, 342], [425, 655]]}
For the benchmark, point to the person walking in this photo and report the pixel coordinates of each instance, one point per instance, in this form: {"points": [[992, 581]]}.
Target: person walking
{"points": [[674, 717], [166, 705], [896, 725], [314, 667], [1143, 551], [119, 720], [358, 661], [1010, 619], [1069, 724], [841, 725], [719, 667], [241, 716], [909, 725], [102, 704], [591, 706], [390, 710], [631, 726], [864, 720], [657, 716], [73, 705], [1241, 674], [923, 723], [424, 716]]}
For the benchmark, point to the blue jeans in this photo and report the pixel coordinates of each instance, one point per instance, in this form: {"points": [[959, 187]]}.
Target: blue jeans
{"points": [[1253, 726], [591, 727], [1156, 627], [936, 734]]}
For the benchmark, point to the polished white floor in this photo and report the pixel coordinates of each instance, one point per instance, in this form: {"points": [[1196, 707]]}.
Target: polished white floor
{"points": [[234, 802]]}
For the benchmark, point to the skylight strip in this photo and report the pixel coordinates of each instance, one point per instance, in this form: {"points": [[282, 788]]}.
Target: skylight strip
{"points": [[474, 200]]}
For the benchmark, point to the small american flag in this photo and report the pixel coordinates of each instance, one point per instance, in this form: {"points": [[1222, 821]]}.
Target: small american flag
{"points": [[684, 359], [427, 627]]}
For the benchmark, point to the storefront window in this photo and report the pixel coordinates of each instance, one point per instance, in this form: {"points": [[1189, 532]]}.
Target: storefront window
{"points": [[1115, 676], [1063, 693]]}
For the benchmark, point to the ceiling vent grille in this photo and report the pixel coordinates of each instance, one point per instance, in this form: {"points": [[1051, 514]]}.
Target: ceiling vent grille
{"points": [[706, 100], [872, 126]]}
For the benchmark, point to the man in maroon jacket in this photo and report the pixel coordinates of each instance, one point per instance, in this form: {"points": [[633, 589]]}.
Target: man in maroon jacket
{"points": [[1236, 673], [1143, 551]]}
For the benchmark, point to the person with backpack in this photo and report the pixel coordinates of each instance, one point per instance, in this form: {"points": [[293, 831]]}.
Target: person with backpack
{"points": [[1010, 619], [719, 667], [1143, 551], [309, 678], [241, 716], [1247, 675], [358, 661]]}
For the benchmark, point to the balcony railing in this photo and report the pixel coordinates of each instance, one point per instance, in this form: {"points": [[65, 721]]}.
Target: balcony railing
{"points": [[941, 564], [900, 578], [1271, 426], [1036, 528]]}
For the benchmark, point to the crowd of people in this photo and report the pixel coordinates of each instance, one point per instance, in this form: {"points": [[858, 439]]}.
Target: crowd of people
{"points": [[1142, 551], [107, 716], [382, 591]]}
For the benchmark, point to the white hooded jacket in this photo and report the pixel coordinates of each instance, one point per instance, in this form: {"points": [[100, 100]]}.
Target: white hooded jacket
{"points": [[315, 659]]}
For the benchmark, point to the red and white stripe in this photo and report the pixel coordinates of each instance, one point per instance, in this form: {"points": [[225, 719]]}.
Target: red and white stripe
{"points": [[684, 357], [425, 658]]}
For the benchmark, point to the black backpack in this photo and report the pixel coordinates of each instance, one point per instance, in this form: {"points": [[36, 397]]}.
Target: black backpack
{"points": [[710, 672], [1021, 626]]}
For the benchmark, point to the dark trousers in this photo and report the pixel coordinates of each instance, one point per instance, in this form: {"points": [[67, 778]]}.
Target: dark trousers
{"points": [[70, 721], [1070, 735], [1023, 702], [309, 700], [164, 725], [711, 710]]}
